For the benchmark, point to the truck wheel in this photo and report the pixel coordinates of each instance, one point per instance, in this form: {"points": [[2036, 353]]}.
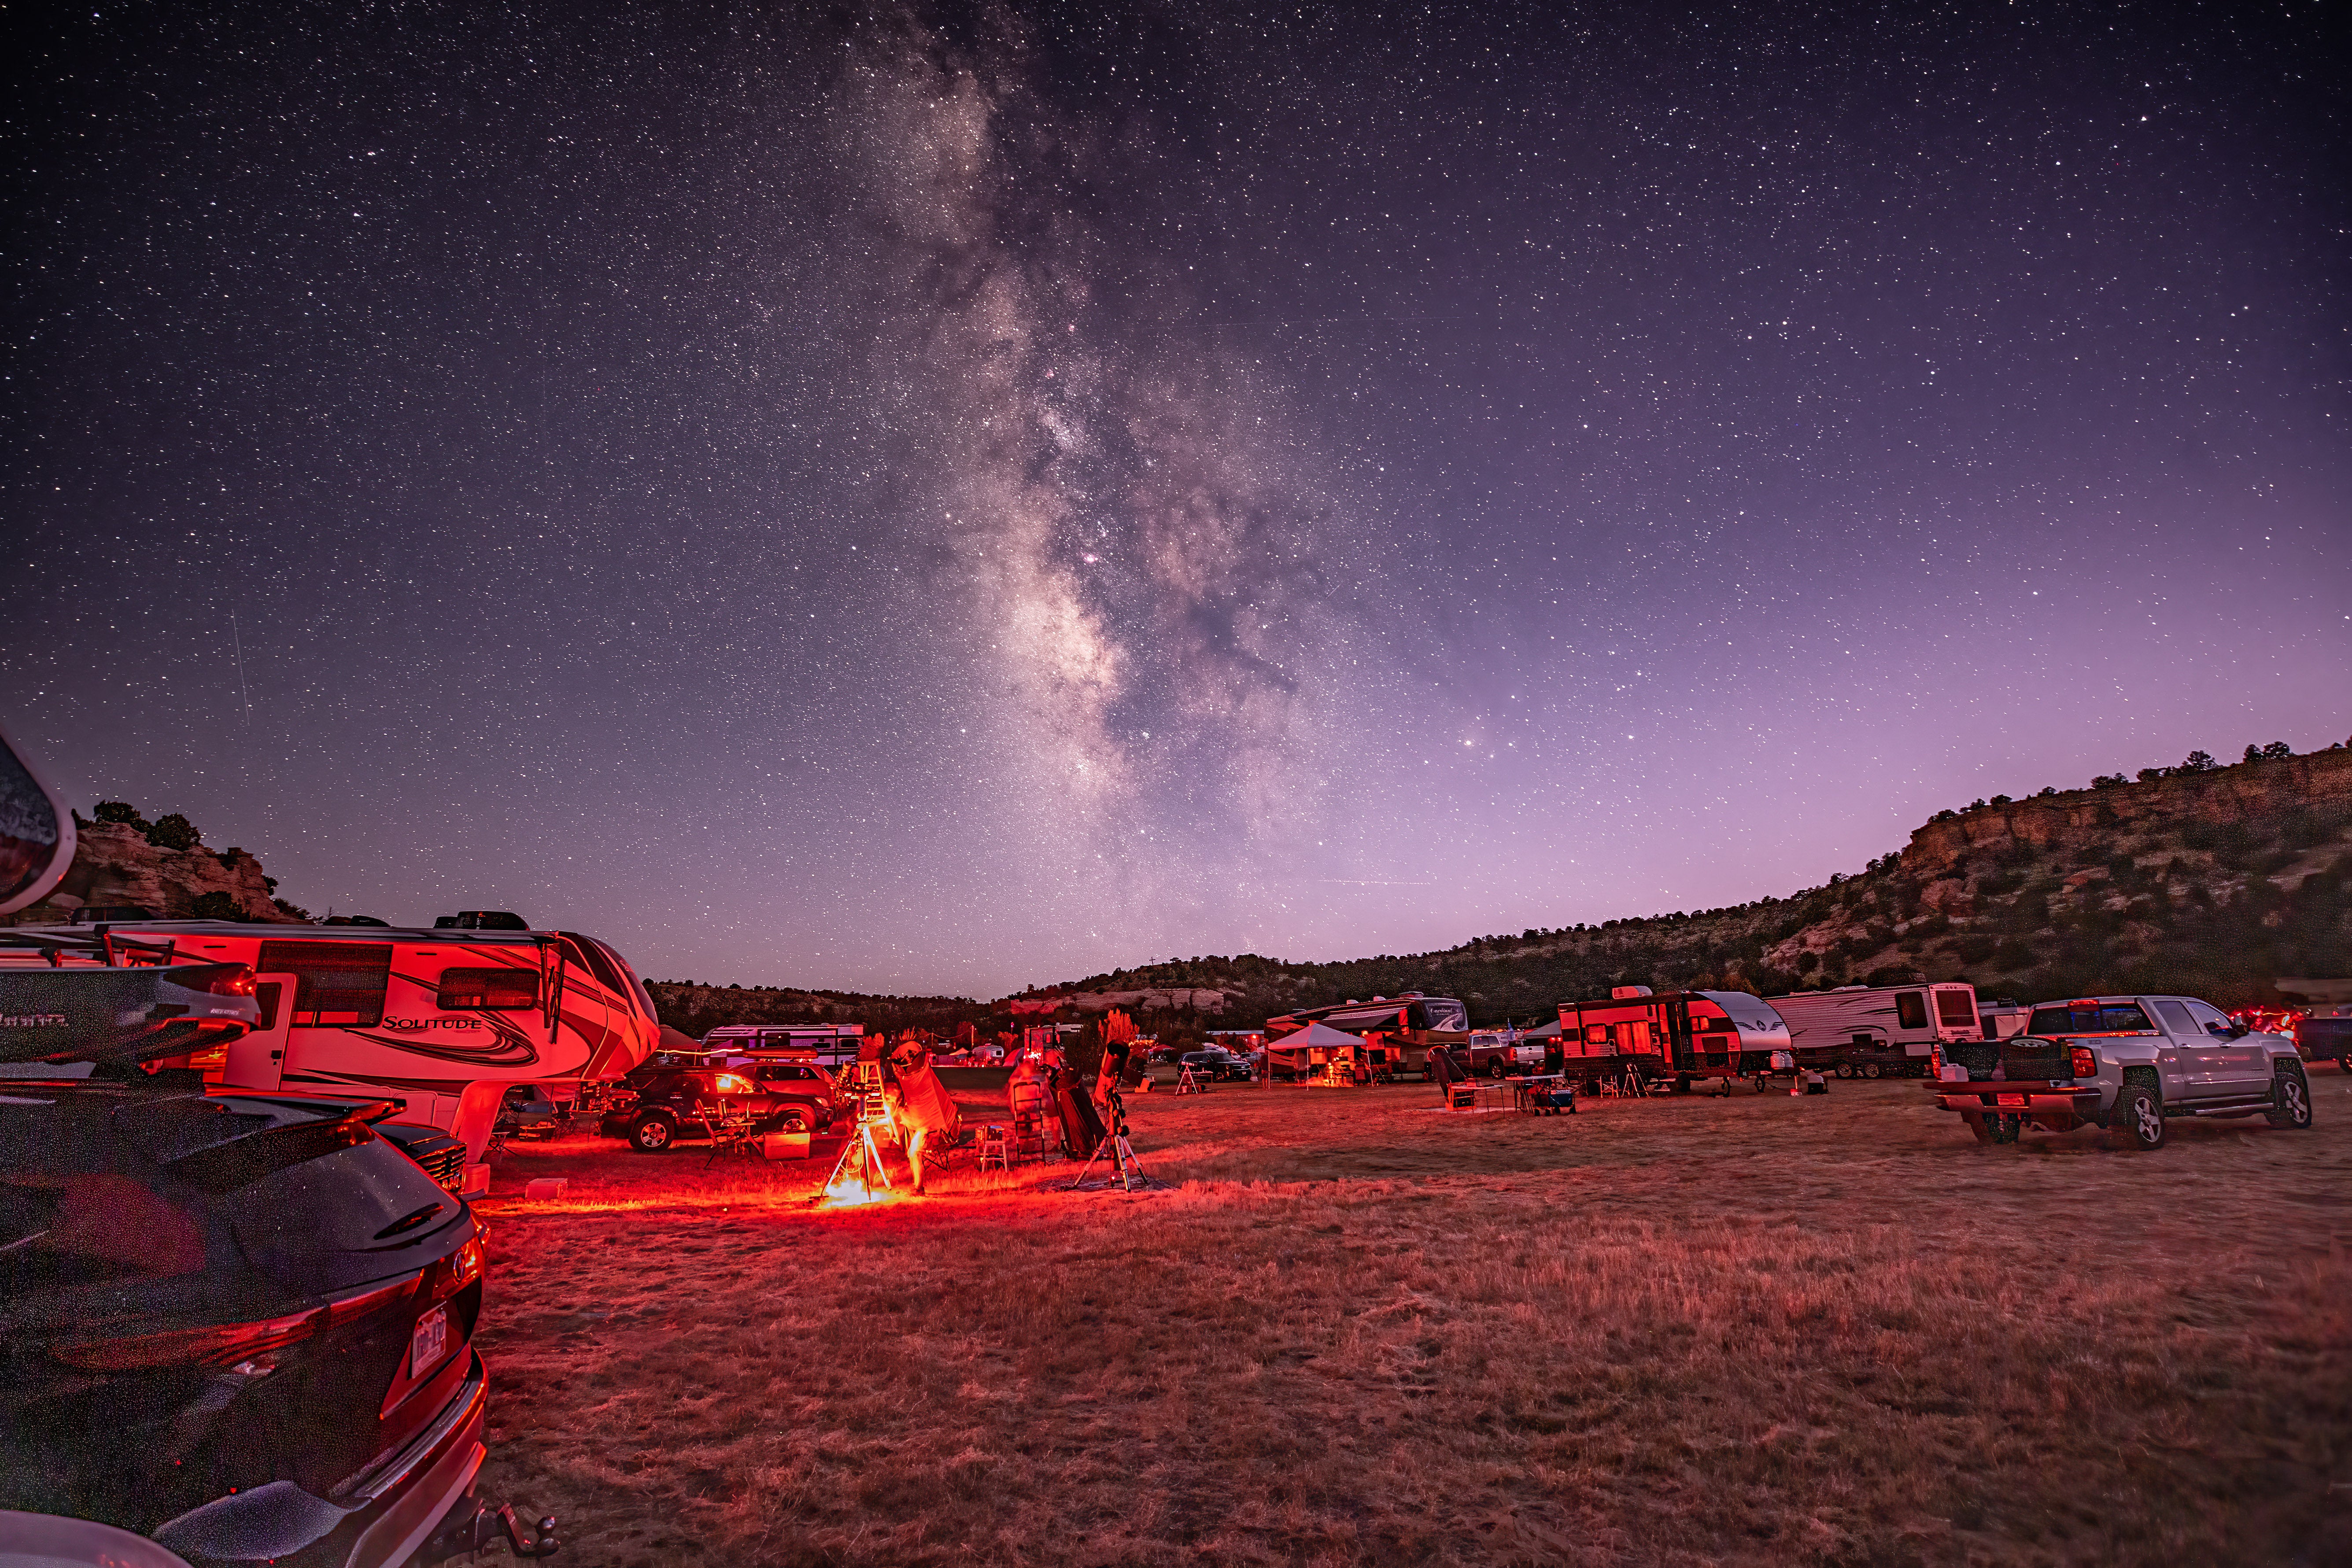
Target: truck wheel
{"points": [[652, 1134], [1845, 1069], [793, 1121], [1977, 1130], [2290, 1099], [2138, 1120], [1871, 1069]]}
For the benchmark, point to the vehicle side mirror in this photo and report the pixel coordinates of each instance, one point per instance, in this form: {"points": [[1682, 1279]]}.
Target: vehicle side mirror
{"points": [[2239, 1031]]}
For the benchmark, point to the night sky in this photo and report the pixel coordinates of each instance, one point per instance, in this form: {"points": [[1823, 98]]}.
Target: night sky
{"points": [[949, 499]]}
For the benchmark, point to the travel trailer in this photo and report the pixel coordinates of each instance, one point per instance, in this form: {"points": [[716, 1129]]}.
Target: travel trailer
{"points": [[441, 1020], [1406, 1025], [831, 1044], [1868, 1031], [1682, 1035]]}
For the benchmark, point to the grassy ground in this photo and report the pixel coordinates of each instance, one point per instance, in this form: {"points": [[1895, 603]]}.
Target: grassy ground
{"points": [[1685, 1330]]}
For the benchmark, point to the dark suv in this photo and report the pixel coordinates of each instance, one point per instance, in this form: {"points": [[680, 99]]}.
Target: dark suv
{"points": [[1216, 1062], [681, 1096]]}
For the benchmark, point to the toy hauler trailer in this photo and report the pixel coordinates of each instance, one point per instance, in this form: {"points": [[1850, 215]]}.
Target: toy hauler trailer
{"points": [[443, 1020], [1871, 1031], [1406, 1026], [1674, 1036]]}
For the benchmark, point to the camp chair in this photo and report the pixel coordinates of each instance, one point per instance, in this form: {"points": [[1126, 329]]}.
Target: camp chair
{"points": [[730, 1124], [995, 1148]]}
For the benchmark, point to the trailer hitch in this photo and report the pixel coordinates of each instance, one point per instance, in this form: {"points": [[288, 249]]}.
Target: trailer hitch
{"points": [[487, 1526]]}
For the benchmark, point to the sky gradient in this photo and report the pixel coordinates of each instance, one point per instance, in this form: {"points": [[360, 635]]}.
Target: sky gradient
{"points": [[945, 499]]}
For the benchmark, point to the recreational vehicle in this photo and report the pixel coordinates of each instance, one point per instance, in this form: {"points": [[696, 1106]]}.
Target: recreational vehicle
{"points": [[831, 1044], [441, 1020], [1680, 1035], [1406, 1025], [1868, 1031]]}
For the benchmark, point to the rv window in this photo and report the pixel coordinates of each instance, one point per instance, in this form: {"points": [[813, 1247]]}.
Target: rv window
{"points": [[1957, 1010], [337, 984], [1596, 1034], [1911, 1010], [489, 990]]}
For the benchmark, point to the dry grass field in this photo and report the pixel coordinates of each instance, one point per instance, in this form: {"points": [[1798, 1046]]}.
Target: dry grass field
{"points": [[1679, 1330]]}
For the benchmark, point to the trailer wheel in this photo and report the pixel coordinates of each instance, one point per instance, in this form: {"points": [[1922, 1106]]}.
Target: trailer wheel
{"points": [[1845, 1069], [1760, 1084], [1871, 1069]]}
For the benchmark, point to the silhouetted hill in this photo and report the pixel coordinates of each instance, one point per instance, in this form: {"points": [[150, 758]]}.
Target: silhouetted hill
{"points": [[695, 1009], [2204, 880]]}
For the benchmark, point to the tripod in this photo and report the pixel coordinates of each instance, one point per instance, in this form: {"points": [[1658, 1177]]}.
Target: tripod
{"points": [[861, 1155], [1122, 1152]]}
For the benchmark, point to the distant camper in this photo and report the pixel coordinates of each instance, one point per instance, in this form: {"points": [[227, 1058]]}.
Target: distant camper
{"points": [[1678, 1035], [1870, 1031], [831, 1044], [1406, 1026]]}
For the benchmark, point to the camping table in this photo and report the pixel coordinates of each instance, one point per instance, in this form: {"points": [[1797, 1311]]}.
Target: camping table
{"points": [[1523, 1090]]}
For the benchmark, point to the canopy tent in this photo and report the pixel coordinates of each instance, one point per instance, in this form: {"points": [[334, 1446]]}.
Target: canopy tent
{"points": [[1542, 1031], [1315, 1035]]}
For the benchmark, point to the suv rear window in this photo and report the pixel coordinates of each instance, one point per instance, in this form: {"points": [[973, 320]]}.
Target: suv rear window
{"points": [[2091, 1019]]}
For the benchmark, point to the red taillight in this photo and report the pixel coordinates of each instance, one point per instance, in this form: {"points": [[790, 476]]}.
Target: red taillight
{"points": [[2086, 1061], [455, 1272], [216, 1345]]}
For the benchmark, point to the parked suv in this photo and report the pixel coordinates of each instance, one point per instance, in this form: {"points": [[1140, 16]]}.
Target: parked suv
{"points": [[677, 1095], [2126, 1064], [1216, 1063]]}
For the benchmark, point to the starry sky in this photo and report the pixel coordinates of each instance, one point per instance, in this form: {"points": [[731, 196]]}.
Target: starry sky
{"points": [[954, 498]]}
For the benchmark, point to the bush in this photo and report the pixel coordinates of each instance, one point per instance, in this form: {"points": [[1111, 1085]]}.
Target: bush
{"points": [[290, 910], [123, 812], [2107, 781], [2149, 776], [1975, 948], [174, 832], [216, 906], [2198, 762]]}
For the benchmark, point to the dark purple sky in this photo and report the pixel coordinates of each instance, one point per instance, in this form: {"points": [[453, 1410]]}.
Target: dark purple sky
{"points": [[912, 502]]}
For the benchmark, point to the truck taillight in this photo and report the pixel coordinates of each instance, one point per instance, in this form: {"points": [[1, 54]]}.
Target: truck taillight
{"points": [[2086, 1061]]}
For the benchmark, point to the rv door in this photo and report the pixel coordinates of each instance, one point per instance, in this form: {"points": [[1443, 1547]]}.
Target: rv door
{"points": [[257, 1061]]}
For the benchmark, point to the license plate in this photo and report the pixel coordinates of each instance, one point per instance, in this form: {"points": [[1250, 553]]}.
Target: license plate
{"points": [[2015, 1100], [428, 1342]]}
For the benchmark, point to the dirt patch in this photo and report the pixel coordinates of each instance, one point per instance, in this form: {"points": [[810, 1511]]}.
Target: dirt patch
{"points": [[1685, 1331]]}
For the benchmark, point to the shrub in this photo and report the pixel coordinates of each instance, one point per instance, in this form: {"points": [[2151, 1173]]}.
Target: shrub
{"points": [[122, 811], [2149, 776], [215, 906], [2277, 751], [1975, 948], [291, 910], [2199, 762], [2045, 789], [174, 832], [2107, 781], [2001, 800]]}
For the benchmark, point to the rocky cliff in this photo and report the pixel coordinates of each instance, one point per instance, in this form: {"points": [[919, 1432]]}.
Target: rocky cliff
{"points": [[115, 864]]}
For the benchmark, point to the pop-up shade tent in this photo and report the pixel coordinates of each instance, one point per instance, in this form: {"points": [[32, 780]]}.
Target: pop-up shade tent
{"points": [[1542, 1031], [1289, 1054]]}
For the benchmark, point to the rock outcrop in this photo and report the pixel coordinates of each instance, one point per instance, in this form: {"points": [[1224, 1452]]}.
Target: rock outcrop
{"points": [[114, 864], [2245, 792]]}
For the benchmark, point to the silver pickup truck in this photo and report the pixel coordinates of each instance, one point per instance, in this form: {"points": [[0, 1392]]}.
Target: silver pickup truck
{"points": [[2125, 1064]]}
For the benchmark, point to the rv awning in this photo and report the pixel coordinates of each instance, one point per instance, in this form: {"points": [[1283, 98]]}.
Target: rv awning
{"points": [[1368, 1017]]}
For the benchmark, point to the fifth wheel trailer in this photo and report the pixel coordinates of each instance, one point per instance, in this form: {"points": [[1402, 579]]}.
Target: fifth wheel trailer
{"points": [[1871, 1031], [442, 1020], [1680, 1035]]}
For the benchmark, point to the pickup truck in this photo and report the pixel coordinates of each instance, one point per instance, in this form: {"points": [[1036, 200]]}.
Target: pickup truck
{"points": [[2126, 1064]]}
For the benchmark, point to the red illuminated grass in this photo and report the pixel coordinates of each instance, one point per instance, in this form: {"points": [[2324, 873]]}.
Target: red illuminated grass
{"points": [[1757, 1330]]}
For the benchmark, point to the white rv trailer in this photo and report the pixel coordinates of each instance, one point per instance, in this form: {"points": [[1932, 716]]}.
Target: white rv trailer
{"points": [[831, 1044], [442, 1020], [1871, 1030]]}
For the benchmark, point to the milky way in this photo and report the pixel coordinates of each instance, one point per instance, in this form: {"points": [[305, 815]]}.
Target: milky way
{"points": [[953, 498]]}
